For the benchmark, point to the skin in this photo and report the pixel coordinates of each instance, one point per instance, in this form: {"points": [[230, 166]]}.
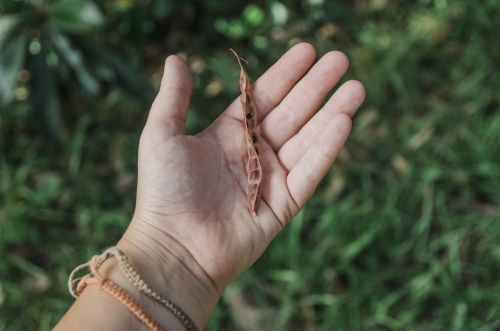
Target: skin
{"points": [[192, 232]]}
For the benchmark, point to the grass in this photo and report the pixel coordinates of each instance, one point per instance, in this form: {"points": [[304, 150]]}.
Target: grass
{"points": [[403, 233]]}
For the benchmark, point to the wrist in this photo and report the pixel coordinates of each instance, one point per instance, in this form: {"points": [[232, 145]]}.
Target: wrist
{"points": [[169, 269]]}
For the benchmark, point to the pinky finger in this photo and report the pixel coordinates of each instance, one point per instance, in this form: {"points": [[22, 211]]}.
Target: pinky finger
{"points": [[305, 176]]}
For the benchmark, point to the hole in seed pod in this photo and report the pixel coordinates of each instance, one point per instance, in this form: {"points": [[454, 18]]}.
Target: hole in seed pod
{"points": [[254, 175], [257, 151], [253, 188], [254, 139], [249, 116], [254, 164]]}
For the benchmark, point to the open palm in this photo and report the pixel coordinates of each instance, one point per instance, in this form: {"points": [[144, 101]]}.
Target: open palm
{"points": [[192, 189]]}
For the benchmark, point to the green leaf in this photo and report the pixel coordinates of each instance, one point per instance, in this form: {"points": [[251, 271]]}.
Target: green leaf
{"points": [[128, 79], [8, 23], [74, 59], [354, 248], [75, 15], [11, 62], [44, 97], [124, 77]]}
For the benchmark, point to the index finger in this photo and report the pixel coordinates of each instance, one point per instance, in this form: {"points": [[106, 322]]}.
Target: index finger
{"points": [[275, 83]]}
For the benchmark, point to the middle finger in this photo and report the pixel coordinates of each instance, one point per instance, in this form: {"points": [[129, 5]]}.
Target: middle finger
{"points": [[303, 100]]}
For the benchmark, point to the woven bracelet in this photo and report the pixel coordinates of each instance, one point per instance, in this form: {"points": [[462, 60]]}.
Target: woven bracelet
{"points": [[135, 279], [118, 293]]}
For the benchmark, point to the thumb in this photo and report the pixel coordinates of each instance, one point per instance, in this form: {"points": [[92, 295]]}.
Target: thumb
{"points": [[169, 110]]}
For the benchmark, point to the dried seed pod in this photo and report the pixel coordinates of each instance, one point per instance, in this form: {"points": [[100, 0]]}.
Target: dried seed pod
{"points": [[250, 121]]}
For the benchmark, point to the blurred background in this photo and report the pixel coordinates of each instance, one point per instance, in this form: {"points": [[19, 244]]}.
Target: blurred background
{"points": [[402, 234]]}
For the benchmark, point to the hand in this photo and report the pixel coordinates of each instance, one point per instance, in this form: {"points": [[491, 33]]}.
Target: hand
{"points": [[191, 196]]}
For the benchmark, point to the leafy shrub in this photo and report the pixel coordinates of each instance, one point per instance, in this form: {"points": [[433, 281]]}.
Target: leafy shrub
{"points": [[52, 40]]}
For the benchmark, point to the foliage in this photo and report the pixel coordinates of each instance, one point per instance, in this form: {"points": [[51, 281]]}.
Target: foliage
{"points": [[403, 233], [61, 53]]}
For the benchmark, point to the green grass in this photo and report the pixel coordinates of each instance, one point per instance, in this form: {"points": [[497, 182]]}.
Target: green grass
{"points": [[403, 233]]}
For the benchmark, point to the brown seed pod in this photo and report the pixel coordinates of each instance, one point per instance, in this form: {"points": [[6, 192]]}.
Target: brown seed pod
{"points": [[250, 121]]}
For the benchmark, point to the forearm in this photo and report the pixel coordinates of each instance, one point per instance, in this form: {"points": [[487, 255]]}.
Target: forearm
{"points": [[165, 268]]}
